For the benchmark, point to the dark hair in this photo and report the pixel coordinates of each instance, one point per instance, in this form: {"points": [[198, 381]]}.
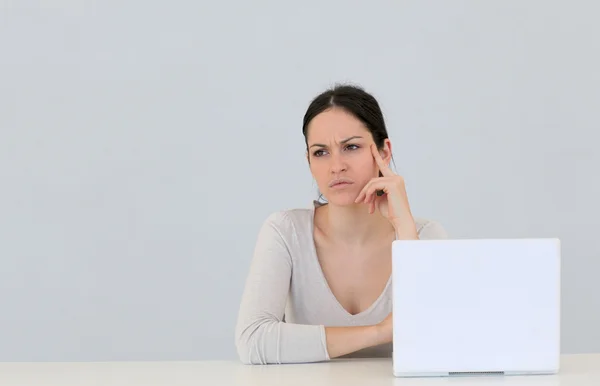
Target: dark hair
{"points": [[354, 100]]}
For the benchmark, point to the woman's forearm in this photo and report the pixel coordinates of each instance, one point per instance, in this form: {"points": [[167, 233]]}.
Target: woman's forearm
{"points": [[346, 340]]}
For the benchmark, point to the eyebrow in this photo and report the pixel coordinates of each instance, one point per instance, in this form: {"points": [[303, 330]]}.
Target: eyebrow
{"points": [[343, 141]]}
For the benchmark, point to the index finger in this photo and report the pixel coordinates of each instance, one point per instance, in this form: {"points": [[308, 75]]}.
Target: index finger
{"points": [[385, 170]]}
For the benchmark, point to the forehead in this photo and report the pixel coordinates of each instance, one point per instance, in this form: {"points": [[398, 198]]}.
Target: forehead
{"points": [[335, 124]]}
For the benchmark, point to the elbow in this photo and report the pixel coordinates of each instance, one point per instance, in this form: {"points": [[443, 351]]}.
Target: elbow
{"points": [[243, 348], [242, 345], [249, 349], [243, 356], [257, 342]]}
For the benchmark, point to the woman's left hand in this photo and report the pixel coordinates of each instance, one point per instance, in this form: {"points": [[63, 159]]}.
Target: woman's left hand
{"points": [[393, 203]]}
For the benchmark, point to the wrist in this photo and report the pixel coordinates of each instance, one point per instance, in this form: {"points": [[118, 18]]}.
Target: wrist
{"points": [[376, 334], [405, 229], [380, 334]]}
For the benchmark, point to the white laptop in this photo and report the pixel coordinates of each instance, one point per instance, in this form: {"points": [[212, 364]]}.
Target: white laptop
{"points": [[476, 307]]}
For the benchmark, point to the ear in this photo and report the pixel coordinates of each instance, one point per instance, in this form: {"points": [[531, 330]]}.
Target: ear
{"points": [[386, 151]]}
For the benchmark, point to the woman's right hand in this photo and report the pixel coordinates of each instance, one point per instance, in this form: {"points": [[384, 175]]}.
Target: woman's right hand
{"points": [[385, 329]]}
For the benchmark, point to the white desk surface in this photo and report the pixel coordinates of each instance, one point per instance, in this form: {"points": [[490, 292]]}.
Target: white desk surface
{"points": [[576, 370]]}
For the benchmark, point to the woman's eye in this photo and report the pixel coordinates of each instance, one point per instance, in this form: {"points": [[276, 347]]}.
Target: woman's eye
{"points": [[320, 153]]}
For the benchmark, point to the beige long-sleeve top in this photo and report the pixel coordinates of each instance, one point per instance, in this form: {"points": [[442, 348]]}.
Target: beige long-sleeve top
{"points": [[287, 302]]}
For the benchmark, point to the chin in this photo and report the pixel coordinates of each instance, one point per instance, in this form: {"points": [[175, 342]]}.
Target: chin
{"points": [[341, 198]]}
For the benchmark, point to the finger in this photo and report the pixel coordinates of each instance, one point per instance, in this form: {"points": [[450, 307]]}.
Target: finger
{"points": [[374, 191], [374, 186], [374, 195], [378, 184], [372, 207], [377, 202], [361, 195], [385, 170], [365, 196]]}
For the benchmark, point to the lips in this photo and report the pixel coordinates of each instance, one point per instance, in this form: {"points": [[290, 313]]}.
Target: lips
{"points": [[340, 182]]}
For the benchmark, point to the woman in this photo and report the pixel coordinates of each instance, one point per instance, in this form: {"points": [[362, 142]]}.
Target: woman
{"points": [[319, 285]]}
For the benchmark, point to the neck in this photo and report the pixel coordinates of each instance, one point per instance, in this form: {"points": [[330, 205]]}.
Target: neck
{"points": [[353, 224]]}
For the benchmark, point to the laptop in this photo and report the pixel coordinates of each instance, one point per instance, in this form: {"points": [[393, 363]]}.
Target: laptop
{"points": [[476, 307]]}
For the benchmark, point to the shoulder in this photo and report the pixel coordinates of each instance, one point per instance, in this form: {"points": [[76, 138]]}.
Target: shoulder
{"points": [[430, 229], [289, 222]]}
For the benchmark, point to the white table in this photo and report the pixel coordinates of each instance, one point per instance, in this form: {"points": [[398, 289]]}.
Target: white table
{"points": [[576, 370]]}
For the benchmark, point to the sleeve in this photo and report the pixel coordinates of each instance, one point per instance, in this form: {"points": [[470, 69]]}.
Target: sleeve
{"points": [[432, 230], [262, 336]]}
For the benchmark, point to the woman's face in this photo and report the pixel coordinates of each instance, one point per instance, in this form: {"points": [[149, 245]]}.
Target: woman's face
{"points": [[339, 155]]}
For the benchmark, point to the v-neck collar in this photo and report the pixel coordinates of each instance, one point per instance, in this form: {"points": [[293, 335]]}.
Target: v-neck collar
{"points": [[311, 220]]}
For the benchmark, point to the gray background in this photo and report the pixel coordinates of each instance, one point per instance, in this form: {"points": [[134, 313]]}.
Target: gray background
{"points": [[143, 143]]}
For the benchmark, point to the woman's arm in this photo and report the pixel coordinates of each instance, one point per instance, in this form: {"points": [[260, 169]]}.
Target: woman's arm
{"points": [[262, 337], [346, 340]]}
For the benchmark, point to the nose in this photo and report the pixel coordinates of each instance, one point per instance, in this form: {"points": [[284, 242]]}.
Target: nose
{"points": [[338, 164]]}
